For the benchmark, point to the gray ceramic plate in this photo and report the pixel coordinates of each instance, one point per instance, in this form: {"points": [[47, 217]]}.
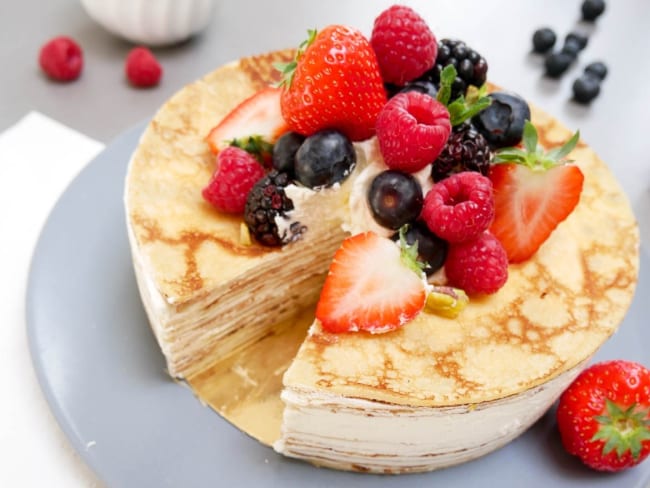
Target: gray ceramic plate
{"points": [[104, 378]]}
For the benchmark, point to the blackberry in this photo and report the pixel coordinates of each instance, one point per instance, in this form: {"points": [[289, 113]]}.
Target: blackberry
{"points": [[466, 150], [470, 66], [265, 202]]}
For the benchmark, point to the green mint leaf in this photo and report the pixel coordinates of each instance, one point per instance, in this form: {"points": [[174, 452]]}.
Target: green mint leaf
{"points": [[559, 153], [469, 110], [409, 253], [530, 137], [509, 154], [447, 77]]}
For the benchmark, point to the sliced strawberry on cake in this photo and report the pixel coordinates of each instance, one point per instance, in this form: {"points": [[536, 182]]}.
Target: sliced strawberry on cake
{"points": [[258, 115], [534, 191], [371, 286]]}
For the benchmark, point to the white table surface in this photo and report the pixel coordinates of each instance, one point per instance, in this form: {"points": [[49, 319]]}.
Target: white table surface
{"points": [[101, 105]]}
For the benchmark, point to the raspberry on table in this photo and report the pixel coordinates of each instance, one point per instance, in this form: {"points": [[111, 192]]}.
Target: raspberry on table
{"points": [[460, 207], [237, 172], [477, 266], [412, 130], [405, 46], [61, 59], [142, 68]]}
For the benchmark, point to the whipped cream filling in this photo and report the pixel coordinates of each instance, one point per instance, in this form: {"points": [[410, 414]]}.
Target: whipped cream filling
{"points": [[346, 203]]}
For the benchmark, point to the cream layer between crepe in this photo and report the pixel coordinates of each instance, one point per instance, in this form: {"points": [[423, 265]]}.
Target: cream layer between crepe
{"points": [[353, 434]]}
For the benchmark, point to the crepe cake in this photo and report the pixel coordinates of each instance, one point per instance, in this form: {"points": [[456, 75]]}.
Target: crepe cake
{"points": [[436, 392], [207, 294]]}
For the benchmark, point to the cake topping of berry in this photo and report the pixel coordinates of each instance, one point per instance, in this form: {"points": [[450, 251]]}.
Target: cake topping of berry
{"points": [[604, 415], [405, 46], [471, 67], [533, 191], [395, 198], [266, 201], [412, 129], [370, 287], [334, 83], [432, 250], [258, 115], [236, 173], [477, 266], [324, 158], [460, 207], [466, 150], [502, 123], [284, 152]]}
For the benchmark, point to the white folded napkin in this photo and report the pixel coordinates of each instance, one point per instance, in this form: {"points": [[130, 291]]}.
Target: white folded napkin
{"points": [[38, 158]]}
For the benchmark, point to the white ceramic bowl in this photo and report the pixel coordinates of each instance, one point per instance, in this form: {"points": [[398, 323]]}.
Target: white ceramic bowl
{"points": [[151, 22]]}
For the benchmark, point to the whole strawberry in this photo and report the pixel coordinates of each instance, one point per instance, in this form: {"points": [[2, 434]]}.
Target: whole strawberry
{"points": [[405, 46], [236, 173], [604, 415], [334, 83]]}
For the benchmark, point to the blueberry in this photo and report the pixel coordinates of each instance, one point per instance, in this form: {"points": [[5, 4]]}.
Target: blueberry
{"points": [[592, 9], [395, 198], [432, 250], [502, 123], [284, 151], [543, 40], [597, 69], [557, 63], [572, 48], [586, 88], [422, 86], [325, 158], [578, 38]]}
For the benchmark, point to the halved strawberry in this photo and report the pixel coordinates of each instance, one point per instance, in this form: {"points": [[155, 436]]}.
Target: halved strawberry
{"points": [[533, 193], [371, 286], [258, 115]]}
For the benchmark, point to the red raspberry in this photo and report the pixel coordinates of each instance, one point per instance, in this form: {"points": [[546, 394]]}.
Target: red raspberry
{"points": [[404, 44], [412, 130], [477, 266], [460, 207], [142, 67], [61, 58], [237, 172]]}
